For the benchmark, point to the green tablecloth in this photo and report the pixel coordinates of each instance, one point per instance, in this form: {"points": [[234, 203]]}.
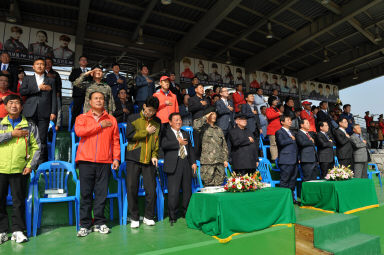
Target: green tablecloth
{"points": [[223, 214], [339, 196]]}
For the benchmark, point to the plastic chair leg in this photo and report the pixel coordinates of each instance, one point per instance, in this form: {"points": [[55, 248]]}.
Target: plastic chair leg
{"points": [[35, 218], [125, 210], [111, 208], [77, 214], [40, 213], [28, 217], [160, 205], [70, 213], [120, 208]]}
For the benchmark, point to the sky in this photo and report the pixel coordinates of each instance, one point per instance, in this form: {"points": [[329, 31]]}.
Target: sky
{"points": [[367, 96]]}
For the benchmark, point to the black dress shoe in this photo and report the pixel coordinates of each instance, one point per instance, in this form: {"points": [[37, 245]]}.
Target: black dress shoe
{"points": [[172, 222], [296, 202]]}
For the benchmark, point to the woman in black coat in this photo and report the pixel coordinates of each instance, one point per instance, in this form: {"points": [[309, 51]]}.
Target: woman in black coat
{"points": [[124, 106]]}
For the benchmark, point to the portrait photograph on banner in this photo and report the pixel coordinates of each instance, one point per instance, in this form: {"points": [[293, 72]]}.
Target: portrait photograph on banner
{"points": [[228, 77], [240, 76], [215, 76], [201, 70], [2, 28], [187, 69], [40, 43], [304, 88], [16, 39], [312, 89], [264, 80], [254, 80], [292, 81], [284, 86], [63, 46]]}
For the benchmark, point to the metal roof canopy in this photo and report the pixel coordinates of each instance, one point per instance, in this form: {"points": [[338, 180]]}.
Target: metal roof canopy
{"points": [[106, 30]]}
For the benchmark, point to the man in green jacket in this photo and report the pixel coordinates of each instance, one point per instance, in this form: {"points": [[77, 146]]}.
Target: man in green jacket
{"points": [[142, 153], [19, 153]]}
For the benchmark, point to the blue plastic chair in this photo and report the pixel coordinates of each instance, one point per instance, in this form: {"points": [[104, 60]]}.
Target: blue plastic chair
{"points": [[135, 108], [56, 174], [159, 193], [70, 117], [264, 167], [75, 144], [190, 132], [51, 144], [375, 171], [123, 140], [28, 204], [117, 196], [162, 176], [262, 146], [336, 162]]}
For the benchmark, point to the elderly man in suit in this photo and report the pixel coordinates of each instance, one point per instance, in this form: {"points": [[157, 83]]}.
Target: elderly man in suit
{"points": [[325, 151], [286, 144], [307, 151], [360, 153], [344, 150], [224, 110], [323, 114], [178, 160], [41, 104], [10, 70]]}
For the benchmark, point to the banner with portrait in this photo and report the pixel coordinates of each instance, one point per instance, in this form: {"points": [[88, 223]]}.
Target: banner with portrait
{"points": [[28, 43]]}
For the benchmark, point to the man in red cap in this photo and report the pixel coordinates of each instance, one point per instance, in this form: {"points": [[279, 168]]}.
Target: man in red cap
{"points": [[167, 100], [308, 114]]}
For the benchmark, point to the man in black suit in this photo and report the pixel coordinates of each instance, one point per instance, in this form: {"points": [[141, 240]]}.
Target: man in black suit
{"points": [[178, 161], [325, 151], [224, 110], [287, 160], [197, 105], [41, 104], [344, 149], [307, 151], [78, 94], [323, 114], [10, 70]]}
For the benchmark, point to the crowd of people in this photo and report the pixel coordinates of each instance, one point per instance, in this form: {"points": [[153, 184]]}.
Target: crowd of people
{"points": [[227, 130]]}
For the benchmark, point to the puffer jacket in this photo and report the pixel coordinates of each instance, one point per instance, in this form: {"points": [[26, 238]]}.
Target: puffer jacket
{"points": [[17, 153], [97, 144]]}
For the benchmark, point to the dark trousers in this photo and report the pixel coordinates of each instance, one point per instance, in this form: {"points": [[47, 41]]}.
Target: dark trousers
{"points": [[94, 179], [288, 175], [134, 170], [181, 178], [374, 144], [42, 125], [346, 162], [77, 108], [325, 166], [244, 171], [309, 170], [18, 184], [196, 142]]}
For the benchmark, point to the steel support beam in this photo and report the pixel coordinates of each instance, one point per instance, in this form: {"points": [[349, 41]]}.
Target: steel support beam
{"points": [[308, 33], [204, 26], [287, 4], [80, 30], [340, 61], [364, 76]]}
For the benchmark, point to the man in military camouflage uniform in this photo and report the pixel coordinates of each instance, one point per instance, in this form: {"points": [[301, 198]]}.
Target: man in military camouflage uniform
{"points": [[214, 152], [96, 85]]}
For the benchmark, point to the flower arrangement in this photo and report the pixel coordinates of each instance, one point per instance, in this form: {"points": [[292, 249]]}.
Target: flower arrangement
{"points": [[339, 174], [237, 183]]}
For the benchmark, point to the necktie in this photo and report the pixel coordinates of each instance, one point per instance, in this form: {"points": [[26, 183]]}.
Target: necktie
{"points": [[309, 137], [326, 136], [4, 68], [83, 70], [181, 149]]}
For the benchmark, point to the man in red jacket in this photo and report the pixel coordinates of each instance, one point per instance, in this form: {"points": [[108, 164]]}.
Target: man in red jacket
{"points": [[167, 100], [99, 147], [273, 115], [308, 114], [238, 97]]}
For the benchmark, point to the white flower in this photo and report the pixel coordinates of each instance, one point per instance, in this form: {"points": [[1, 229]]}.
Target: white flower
{"points": [[239, 186]]}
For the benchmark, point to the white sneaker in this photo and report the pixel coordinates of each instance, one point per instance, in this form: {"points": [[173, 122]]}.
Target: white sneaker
{"points": [[148, 222], [135, 224], [83, 232], [3, 237], [19, 237], [103, 229]]}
